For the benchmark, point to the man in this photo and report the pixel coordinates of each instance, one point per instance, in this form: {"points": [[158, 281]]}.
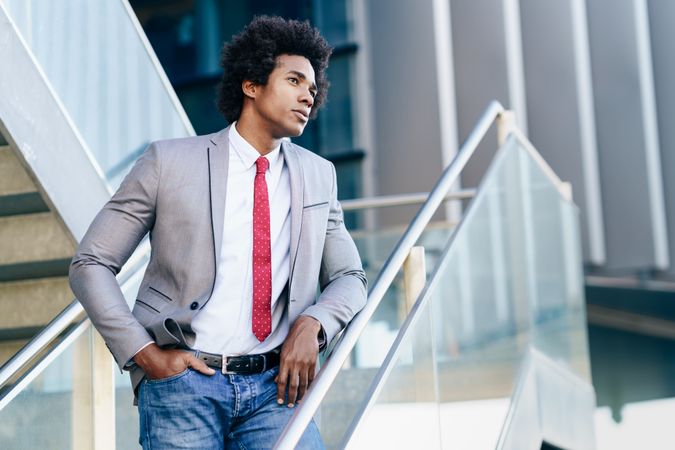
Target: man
{"points": [[224, 335]]}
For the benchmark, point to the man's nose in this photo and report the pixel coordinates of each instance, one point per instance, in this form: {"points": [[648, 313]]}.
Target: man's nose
{"points": [[307, 98]]}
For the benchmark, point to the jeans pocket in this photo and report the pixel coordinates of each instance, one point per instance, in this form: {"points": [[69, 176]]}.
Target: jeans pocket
{"points": [[169, 378]]}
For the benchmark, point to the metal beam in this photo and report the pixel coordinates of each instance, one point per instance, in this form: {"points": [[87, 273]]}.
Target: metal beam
{"points": [[38, 126]]}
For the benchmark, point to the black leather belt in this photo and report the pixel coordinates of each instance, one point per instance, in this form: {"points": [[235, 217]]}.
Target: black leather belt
{"points": [[243, 364]]}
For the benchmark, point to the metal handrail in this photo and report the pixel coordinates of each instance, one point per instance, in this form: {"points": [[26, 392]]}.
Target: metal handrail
{"points": [[400, 199], [317, 391], [62, 321]]}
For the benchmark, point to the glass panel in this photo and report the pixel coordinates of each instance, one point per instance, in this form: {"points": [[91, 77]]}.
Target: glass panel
{"points": [[558, 314], [476, 313], [509, 280], [96, 62], [408, 400], [55, 409], [351, 386], [374, 248]]}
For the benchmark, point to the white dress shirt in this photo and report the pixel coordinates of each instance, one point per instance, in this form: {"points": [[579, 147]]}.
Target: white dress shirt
{"points": [[223, 326]]}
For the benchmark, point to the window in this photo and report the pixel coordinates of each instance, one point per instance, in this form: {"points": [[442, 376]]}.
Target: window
{"points": [[187, 36]]}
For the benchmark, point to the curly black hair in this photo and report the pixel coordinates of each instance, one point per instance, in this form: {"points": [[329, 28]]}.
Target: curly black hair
{"points": [[252, 55]]}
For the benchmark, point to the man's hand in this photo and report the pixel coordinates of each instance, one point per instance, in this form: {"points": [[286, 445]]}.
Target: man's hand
{"points": [[160, 363], [298, 360]]}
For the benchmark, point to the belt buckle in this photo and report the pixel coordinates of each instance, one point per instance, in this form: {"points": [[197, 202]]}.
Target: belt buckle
{"points": [[224, 365], [264, 368]]}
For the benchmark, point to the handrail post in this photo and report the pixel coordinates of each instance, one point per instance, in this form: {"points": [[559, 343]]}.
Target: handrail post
{"points": [[506, 122], [414, 280], [93, 420], [414, 276], [103, 395], [82, 390]]}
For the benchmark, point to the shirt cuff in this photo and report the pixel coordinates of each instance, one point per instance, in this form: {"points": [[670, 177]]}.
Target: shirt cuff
{"points": [[322, 339]]}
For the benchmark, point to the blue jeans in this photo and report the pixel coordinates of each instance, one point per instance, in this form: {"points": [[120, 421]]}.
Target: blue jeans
{"points": [[195, 411]]}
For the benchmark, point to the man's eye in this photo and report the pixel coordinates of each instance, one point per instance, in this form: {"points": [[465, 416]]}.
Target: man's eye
{"points": [[293, 80], [312, 93]]}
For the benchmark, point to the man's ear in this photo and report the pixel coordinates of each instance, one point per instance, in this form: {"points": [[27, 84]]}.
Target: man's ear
{"points": [[249, 88]]}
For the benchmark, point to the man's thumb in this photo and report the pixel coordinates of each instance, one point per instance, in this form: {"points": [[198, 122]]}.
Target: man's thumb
{"points": [[200, 366]]}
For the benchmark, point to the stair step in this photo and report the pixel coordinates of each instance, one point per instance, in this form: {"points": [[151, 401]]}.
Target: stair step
{"points": [[31, 303], [34, 270], [26, 203], [14, 178], [33, 237]]}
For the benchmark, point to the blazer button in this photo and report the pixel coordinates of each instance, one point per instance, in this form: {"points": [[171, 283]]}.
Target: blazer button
{"points": [[194, 306]]}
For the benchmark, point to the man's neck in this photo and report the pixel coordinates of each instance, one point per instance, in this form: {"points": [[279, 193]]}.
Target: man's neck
{"points": [[257, 136]]}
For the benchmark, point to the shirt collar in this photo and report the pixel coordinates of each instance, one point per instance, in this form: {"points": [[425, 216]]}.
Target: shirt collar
{"points": [[246, 152]]}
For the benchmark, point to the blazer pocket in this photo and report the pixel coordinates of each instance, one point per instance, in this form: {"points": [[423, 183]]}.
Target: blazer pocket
{"points": [[154, 300], [314, 206]]}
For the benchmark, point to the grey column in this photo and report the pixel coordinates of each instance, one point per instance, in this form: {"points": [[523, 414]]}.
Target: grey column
{"points": [[560, 105], [408, 155], [631, 182], [488, 66], [661, 19]]}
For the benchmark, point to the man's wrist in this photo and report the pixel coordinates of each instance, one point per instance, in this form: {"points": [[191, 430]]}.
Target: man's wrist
{"points": [[320, 333], [313, 322], [131, 363], [144, 354]]}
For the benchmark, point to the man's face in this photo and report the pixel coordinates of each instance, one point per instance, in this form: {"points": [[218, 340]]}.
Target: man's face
{"points": [[285, 102]]}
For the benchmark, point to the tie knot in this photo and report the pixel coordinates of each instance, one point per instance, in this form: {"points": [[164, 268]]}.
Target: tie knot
{"points": [[261, 165]]}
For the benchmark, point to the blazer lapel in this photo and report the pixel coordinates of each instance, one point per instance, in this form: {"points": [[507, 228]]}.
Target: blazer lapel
{"points": [[219, 155], [297, 190]]}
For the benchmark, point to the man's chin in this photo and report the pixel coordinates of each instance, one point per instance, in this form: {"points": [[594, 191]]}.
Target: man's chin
{"points": [[288, 131], [295, 131]]}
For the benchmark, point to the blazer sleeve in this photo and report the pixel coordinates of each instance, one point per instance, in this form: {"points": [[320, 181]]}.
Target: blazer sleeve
{"points": [[108, 243], [342, 280]]}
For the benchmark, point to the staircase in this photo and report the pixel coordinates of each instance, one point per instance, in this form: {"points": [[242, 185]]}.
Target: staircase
{"points": [[36, 253]]}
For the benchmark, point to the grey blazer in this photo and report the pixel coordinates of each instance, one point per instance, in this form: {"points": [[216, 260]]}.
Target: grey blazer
{"points": [[176, 191]]}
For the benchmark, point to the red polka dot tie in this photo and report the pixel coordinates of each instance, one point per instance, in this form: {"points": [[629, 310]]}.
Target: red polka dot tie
{"points": [[262, 254]]}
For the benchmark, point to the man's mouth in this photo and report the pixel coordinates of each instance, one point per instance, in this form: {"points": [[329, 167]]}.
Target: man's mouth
{"points": [[303, 115]]}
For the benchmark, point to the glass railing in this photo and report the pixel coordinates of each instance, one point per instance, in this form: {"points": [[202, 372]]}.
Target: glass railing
{"points": [[55, 409], [374, 249], [344, 397], [509, 280], [51, 403], [101, 68]]}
